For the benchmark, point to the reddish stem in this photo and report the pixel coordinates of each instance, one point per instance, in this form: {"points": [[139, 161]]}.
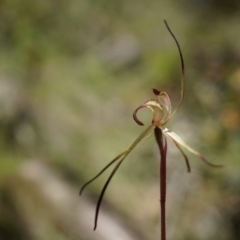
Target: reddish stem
{"points": [[162, 144]]}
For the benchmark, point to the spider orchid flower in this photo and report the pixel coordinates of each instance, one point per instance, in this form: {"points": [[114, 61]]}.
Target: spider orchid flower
{"points": [[161, 109], [162, 113]]}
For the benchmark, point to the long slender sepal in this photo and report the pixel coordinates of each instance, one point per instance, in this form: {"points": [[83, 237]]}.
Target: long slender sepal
{"points": [[102, 171], [119, 158], [144, 134], [175, 137], [103, 191], [183, 71]]}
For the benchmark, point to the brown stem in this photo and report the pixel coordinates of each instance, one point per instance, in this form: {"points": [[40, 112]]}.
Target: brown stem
{"points": [[162, 144]]}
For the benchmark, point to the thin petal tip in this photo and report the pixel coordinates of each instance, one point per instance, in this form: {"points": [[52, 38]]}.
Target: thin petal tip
{"points": [[81, 191], [219, 166], [211, 164]]}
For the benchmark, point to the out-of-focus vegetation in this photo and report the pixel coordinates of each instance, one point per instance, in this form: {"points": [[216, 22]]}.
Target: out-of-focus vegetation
{"points": [[71, 74]]}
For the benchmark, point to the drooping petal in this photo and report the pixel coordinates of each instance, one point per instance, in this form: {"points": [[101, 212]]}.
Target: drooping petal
{"points": [[174, 136], [183, 153]]}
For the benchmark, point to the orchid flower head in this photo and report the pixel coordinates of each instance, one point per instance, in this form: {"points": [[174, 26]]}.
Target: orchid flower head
{"points": [[162, 113], [161, 108]]}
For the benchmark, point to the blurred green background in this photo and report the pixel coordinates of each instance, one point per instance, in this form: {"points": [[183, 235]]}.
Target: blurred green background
{"points": [[71, 74]]}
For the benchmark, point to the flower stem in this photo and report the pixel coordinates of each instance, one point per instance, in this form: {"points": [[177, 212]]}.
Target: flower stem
{"points": [[162, 144]]}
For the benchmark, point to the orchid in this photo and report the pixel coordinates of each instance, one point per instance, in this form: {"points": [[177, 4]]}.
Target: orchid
{"points": [[162, 113]]}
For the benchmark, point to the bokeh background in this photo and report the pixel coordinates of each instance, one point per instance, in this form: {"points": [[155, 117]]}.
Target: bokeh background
{"points": [[71, 74]]}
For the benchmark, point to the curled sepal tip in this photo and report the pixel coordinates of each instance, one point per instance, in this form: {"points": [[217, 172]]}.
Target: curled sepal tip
{"points": [[155, 107], [135, 116]]}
